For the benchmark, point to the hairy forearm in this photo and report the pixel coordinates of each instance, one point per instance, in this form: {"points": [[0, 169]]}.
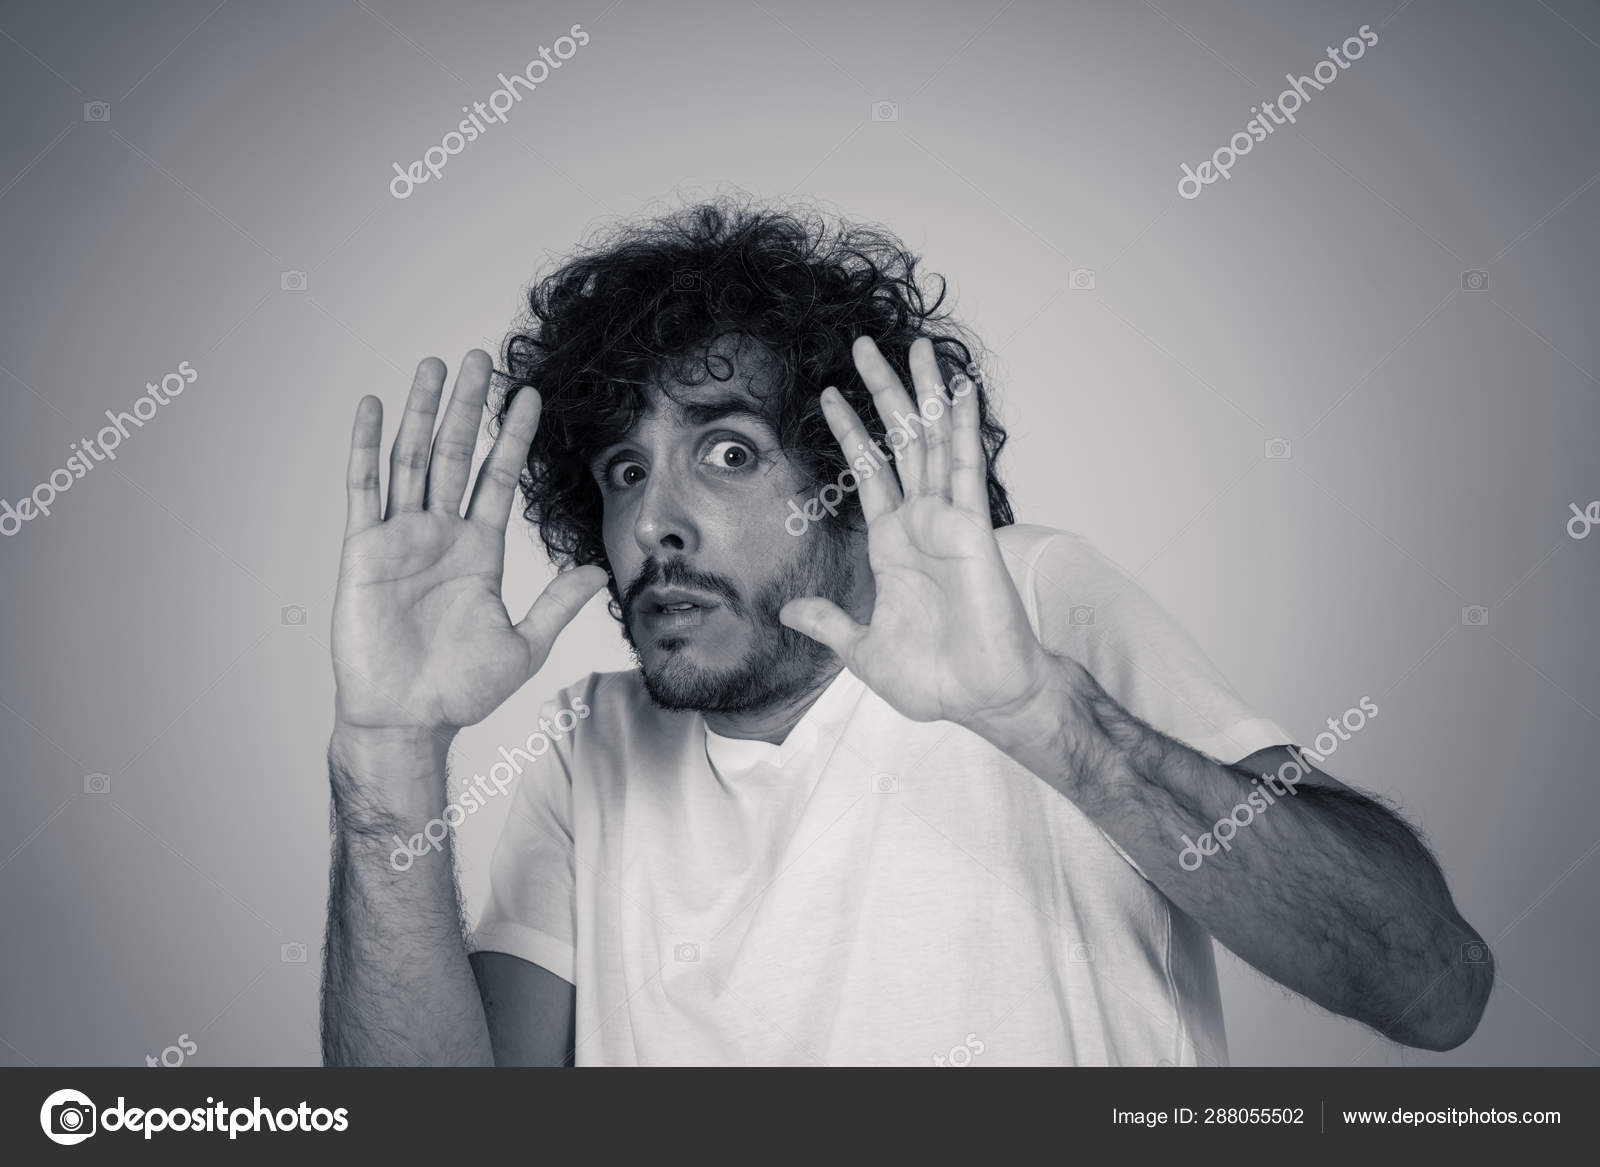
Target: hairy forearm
{"points": [[1325, 891], [397, 987]]}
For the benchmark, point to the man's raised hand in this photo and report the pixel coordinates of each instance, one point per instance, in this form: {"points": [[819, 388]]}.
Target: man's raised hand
{"points": [[948, 638], [422, 642]]}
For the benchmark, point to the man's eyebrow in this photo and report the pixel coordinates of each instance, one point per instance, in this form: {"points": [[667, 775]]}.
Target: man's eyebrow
{"points": [[702, 412]]}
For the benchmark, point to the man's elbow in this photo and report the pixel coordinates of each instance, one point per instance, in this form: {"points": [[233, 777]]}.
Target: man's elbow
{"points": [[1449, 1012]]}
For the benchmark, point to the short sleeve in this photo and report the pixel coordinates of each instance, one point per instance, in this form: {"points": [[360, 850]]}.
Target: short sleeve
{"points": [[1082, 605], [531, 910]]}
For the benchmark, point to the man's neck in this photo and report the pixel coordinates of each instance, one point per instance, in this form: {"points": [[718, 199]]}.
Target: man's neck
{"points": [[774, 723]]}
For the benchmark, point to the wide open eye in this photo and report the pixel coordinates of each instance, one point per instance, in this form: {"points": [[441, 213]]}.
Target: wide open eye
{"points": [[730, 454], [623, 473]]}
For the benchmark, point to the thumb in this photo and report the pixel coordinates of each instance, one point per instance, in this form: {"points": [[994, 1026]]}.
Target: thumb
{"points": [[561, 600], [824, 621]]}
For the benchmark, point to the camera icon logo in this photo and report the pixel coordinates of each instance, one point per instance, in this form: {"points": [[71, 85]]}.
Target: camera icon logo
{"points": [[1475, 616], [292, 616], [1081, 953], [885, 111], [1474, 281], [1277, 449], [885, 784], [1474, 952], [292, 281], [1080, 615], [68, 1117], [1081, 279], [97, 783], [684, 281], [97, 111], [960, 1056], [685, 953], [292, 953]]}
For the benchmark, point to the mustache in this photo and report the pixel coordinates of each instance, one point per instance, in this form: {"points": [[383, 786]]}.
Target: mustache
{"points": [[677, 573]]}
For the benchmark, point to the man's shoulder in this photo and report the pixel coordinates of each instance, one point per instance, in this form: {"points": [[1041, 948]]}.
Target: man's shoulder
{"points": [[1029, 539], [1056, 565], [615, 707], [621, 686], [1077, 598], [608, 694]]}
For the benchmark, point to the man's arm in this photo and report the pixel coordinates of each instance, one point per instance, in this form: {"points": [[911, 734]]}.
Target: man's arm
{"points": [[422, 645], [530, 1011], [1331, 895], [397, 989], [397, 937], [1322, 889]]}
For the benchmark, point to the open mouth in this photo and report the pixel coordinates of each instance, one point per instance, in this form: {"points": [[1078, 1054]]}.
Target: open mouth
{"points": [[673, 609]]}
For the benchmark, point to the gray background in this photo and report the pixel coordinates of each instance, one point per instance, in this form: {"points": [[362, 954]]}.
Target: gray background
{"points": [[1437, 434]]}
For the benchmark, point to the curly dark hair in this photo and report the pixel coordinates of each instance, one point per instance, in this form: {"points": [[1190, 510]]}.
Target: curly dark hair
{"points": [[649, 300]]}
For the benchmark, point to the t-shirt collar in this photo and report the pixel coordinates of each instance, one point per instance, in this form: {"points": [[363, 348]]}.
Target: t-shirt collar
{"points": [[734, 755]]}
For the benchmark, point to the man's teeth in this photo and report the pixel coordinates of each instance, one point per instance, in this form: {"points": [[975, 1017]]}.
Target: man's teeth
{"points": [[683, 607]]}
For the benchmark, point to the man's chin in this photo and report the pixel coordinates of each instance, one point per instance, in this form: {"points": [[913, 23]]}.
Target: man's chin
{"points": [[678, 678], [731, 661]]}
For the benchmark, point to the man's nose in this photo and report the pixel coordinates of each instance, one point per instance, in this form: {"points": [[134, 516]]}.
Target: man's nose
{"points": [[663, 522]]}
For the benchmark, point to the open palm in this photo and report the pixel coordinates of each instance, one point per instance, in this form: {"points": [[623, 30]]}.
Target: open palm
{"points": [[421, 637], [948, 638]]}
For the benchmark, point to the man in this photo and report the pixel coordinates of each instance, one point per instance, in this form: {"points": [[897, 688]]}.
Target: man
{"points": [[896, 781]]}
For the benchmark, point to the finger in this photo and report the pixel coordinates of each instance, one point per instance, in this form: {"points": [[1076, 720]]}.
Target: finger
{"points": [[824, 621], [879, 491], [498, 477], [563, 599], [969, 475], [935, 410], [408, 461], [894, 407], [458, 434], [363, 503]]}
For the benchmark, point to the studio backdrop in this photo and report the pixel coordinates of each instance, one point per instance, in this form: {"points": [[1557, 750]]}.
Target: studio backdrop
{"points": [[1329, 396]]}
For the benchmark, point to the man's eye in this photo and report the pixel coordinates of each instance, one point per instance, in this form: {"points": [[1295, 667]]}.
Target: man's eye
{"points": [[624, 473], [730, 455]]}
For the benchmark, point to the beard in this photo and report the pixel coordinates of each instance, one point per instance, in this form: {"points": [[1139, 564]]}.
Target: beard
{"points": [[780, 665]]}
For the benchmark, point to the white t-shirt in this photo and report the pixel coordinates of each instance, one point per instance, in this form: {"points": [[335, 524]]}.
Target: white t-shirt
{"points": [[874, 891]]}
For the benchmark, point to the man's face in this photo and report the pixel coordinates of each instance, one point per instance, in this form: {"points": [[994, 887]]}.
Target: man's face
{"points": [[696, 497]]}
